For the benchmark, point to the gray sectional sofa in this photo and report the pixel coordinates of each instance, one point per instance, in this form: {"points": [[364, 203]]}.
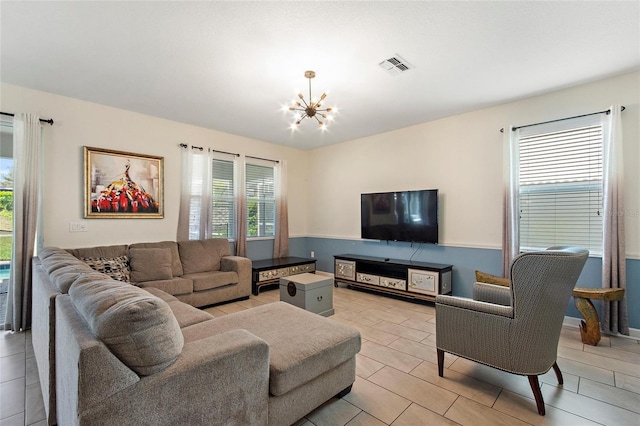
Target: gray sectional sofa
{"points": [[198, 272], [118, 353]]}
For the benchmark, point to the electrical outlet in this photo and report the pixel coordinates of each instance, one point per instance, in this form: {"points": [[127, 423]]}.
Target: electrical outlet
{"points": [[77, 226], [313, 253]]}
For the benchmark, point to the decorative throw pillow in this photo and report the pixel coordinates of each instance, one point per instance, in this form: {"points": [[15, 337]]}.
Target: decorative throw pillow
{"points": [[150, 264], [116, 267], [483, 277]]}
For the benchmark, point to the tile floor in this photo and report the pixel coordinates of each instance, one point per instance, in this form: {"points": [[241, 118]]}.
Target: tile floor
{"points": [[397, 380]]}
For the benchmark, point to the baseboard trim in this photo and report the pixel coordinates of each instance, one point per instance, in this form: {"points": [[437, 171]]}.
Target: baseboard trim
{"points": [[634, 333]]}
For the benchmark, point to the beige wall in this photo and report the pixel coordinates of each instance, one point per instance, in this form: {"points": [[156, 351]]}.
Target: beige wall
{"points": [[462, 156], [79, 123]]}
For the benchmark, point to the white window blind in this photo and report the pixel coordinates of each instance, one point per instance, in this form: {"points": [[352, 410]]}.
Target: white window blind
{"points": [[561, 186], [222, 218], [261, 200]]}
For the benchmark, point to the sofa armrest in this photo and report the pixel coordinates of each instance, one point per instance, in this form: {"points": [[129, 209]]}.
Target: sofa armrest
{"points": [[240, 265], [492, 293], [465, 327], [43, 322], [220, 379]]}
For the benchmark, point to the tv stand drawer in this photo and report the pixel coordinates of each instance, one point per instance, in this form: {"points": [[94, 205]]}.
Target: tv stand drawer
{"points": [[368, 279]]}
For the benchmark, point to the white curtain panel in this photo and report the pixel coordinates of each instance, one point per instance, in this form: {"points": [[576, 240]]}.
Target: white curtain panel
{"points": [[185, 195], [196, 195], [27, 177], [241, 207], [511, 207], [281, 240], [614, 314]]}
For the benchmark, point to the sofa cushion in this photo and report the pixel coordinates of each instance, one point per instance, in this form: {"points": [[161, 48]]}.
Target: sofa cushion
{"points": [[116, 267], [176, 266], [188, 315], [64, 277], [175, 286], [99, 251], [213, 279], [48, 251], [57, 261], [137, 327], [302, 345], [150, 264], [88, 277], [202, 255], [161, 294]]}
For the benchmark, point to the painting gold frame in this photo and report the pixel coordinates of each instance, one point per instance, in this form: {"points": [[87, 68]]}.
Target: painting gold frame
{"points": [[122, 184]]}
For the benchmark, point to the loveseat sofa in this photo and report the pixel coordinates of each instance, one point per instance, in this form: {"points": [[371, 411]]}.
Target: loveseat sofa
{"points": [[198, 272], [131, 355]]}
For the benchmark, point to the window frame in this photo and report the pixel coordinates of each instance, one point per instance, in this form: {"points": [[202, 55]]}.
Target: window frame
{"points": [[264, 199], [574, 181]]}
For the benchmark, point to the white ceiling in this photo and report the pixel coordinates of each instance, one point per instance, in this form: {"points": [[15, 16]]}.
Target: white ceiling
{"points": [[231, 66]]}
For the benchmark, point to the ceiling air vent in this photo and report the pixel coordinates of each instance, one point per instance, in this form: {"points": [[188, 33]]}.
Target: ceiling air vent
{"points": [[395, 65]]}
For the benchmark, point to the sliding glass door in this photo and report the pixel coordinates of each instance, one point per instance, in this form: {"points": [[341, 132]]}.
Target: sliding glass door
{"points": [[6, 212]]}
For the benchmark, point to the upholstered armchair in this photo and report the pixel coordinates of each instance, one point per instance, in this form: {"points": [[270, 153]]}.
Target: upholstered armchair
{"points": [[515, 328]]}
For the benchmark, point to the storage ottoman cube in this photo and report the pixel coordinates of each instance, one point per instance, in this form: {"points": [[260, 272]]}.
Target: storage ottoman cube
{"points": [[310, 292]]}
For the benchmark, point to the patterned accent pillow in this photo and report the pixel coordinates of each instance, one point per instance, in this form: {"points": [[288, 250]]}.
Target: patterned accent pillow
{"points": [[116, 267]]}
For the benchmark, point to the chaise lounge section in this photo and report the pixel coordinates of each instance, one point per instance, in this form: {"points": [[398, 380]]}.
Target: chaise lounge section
{"points": [[125, 354]]}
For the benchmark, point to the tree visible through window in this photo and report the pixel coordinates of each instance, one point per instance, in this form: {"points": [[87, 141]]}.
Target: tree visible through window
{"points": [[6, 212], [223, 217], [261, 201]]}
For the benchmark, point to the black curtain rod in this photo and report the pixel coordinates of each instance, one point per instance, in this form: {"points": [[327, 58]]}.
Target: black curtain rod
{"points": [[608, 111], [264, 159], [42, 120], [183, 145]]}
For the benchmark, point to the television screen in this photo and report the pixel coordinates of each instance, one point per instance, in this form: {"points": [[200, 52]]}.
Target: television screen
{"points": [[400, 216]]}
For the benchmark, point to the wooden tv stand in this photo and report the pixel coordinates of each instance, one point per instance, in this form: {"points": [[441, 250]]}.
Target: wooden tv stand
{"points": [[415, 280]]}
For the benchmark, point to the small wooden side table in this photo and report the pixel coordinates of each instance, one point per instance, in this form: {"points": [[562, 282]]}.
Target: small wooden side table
{"points": [[582, 296]]}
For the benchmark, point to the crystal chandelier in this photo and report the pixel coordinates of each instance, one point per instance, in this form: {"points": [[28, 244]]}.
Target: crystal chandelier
{"points": [[312, 109]]}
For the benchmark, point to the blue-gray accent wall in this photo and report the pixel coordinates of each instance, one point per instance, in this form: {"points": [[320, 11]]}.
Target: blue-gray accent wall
{"points": [[464, 260]]}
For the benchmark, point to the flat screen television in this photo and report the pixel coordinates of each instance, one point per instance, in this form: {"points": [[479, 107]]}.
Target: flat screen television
{"points": [[400, 216]]}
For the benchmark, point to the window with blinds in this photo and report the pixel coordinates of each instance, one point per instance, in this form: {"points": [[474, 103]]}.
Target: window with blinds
{"points": [[222, 212], [261, 201], [561, 187]]}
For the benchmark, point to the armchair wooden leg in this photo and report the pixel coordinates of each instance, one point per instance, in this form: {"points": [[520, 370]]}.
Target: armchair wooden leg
{"points": [[440, 362], [535, 387], [558, 373]]}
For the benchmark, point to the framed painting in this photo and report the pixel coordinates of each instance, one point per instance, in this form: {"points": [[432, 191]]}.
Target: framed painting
{"points": [[122, 184]]}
